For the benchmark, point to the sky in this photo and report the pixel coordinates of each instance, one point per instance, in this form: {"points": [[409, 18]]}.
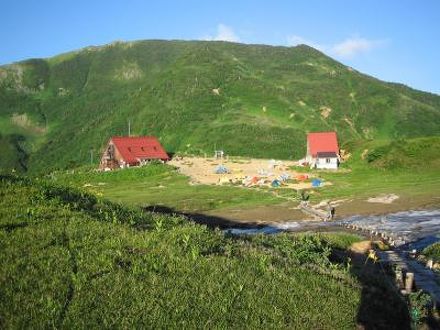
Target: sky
{"points": [[393, 40]]}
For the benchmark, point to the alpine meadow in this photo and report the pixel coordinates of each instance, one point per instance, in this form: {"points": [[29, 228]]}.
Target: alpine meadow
{"points": [[85, 246]]}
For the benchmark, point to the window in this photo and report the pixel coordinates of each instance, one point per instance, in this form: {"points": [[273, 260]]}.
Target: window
{"points": [[328, 160]]}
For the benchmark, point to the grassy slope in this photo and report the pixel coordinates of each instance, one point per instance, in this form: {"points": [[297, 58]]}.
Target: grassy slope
{"points": [[63, 264], [269, 97]]}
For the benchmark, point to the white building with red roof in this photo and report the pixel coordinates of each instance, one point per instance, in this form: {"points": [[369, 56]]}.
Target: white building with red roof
{"points": [[322, 150], [125, 151]]}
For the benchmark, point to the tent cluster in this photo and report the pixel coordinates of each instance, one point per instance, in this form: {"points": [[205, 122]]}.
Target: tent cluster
{"points": [[251, 181], [264, 177], [263, 181], [221, 169]]}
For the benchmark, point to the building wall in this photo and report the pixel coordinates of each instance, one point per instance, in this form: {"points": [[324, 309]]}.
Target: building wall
{"points": [[309, 158], [117, 160], [327, 163], [104, 163]]}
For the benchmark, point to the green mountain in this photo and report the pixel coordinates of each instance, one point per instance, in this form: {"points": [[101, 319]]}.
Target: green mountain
{"points": [[251, 100]]}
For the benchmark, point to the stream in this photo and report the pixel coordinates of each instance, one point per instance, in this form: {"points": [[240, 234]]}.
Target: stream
{"points": [[417, 228]]}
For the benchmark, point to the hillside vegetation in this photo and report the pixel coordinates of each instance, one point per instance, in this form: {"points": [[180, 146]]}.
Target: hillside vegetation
{"points": [[250, 100], [69, 259], [422, 153]]}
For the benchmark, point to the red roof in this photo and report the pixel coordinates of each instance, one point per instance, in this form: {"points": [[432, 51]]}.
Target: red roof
{"points": [[134, 149], [322, 142]]}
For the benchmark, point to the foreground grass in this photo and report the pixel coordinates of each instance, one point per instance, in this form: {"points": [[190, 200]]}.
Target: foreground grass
{"points": [[161, 185], [71, 260]]}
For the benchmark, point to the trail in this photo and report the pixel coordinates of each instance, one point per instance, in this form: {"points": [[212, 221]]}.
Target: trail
{"points": [[425, 278], [405, 231]]}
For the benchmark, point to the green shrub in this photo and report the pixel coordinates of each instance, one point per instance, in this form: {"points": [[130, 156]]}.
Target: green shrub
{"points": [[432, 252]]}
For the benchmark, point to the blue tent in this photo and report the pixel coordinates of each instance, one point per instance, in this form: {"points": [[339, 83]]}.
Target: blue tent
{"points": [[276, 183], [316, 183], [221, 169]]}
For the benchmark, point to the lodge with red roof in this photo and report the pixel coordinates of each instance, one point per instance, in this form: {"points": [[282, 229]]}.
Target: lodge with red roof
{"points": [[125, 151], [322, 150]]}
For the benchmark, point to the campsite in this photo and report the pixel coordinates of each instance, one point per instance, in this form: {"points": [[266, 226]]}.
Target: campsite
{"points": [[190, 184], [246, 172]]}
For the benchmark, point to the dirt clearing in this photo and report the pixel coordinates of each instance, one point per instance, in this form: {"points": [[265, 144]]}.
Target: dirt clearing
{"points": [[244, 172]]}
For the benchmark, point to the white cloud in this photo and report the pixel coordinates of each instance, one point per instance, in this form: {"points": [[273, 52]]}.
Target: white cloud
{"points": [[224, 33], [354, 46], [348, 48]]}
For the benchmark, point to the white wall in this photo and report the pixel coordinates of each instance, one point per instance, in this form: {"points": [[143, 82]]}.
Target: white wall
{"points": [[327, 163]]}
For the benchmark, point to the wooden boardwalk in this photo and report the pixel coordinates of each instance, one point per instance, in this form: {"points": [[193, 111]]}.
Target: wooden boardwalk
{"points": [[425, 278], [320, 214]]}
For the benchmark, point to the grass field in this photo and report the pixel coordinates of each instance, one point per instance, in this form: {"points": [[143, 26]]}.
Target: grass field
{"points": [[71, 260], [161, 185], [406, 168], [363, 182]]}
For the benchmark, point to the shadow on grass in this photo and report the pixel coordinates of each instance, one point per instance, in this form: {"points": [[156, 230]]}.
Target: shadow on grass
{"points": [[9, 227], [204, 219], [381, 306]]}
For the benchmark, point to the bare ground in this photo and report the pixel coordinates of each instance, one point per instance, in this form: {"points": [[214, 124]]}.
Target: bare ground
{"points": [[202, 170], [289, 211]]}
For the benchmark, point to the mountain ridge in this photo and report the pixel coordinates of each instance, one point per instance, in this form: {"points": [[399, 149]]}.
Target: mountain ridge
{"points": [[252, 100]]}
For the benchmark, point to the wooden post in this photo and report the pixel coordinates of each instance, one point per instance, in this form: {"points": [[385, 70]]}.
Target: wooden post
{"points": [[409, 282], [430, 263], [399, 278]]}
